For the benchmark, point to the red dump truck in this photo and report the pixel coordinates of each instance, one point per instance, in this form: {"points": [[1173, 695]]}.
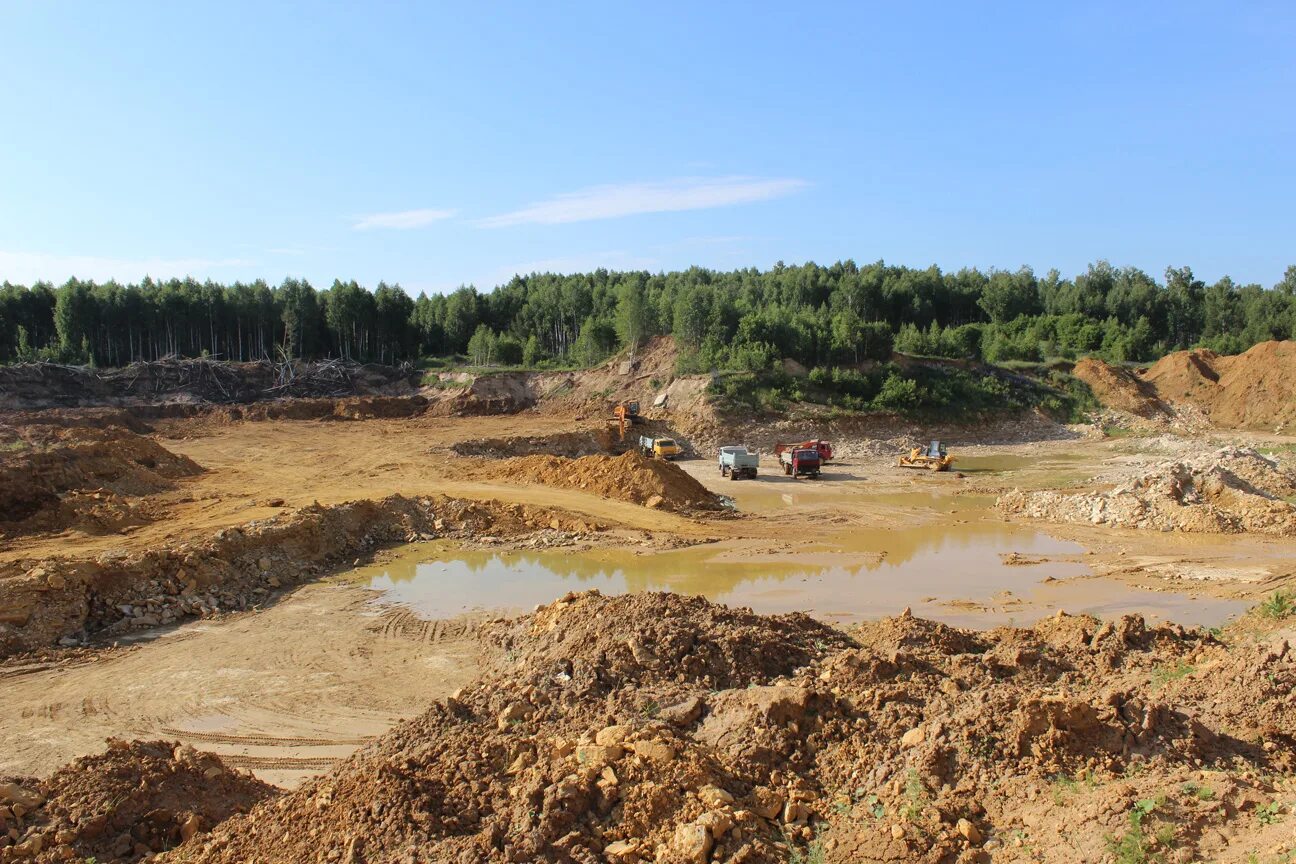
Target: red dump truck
{"points": [[800, 462], [823, 448]]}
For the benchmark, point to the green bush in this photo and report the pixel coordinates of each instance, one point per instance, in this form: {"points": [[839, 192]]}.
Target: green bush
{"points": [[898, 394]]}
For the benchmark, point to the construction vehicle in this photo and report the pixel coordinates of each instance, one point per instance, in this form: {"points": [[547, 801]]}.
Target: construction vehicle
{"points": [[800, 462], [659, 448], [933, 457], [625, 414], [737, 462], [823, 448]]}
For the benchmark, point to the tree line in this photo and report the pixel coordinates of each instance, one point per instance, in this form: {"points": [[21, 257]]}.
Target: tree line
{"points": [[748, 319]]}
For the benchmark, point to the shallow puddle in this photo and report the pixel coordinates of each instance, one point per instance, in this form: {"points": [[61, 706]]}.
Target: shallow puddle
{"points": [[952, 572]]}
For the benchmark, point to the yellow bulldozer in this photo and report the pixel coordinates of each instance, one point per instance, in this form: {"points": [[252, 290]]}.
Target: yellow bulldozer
{"points": [[933, 457]]}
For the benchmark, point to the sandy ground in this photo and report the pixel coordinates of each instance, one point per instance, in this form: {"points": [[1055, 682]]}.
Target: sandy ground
{"points": [[286, 691], [290, 689]]}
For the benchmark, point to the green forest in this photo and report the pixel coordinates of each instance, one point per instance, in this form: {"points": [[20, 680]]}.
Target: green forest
{"points": [[824, 317]]}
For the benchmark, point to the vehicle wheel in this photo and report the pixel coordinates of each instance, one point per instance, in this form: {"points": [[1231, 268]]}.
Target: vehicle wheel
{"points": [[733, 475], [753, 475], [934, 466]]}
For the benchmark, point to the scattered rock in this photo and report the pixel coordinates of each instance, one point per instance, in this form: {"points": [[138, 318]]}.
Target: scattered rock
{"points": [[969, 831], [714, 796], [692, 843]]}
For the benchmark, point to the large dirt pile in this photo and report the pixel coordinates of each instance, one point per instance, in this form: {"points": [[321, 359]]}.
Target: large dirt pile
{"points": [[66, 601], [133, 801], [656, 727], [1255, 389], [629, 477], [51, 385], [54, 477], [1120, 389], [1229, 491]]}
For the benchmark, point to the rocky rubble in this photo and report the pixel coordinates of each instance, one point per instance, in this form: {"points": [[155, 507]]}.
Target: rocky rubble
{"points": [[128, 803], [661, 728], [66, 601], [1231, 490]]}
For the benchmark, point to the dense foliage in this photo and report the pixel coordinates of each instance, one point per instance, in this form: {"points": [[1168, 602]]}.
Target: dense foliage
{"points": [[833, 316]]}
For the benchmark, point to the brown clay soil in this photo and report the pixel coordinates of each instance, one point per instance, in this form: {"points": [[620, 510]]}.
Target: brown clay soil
{"points": [[644, 726], [1252, 390], [1255, 389], [95, 479], [131, 802], [1121, 389], [663, 728]]}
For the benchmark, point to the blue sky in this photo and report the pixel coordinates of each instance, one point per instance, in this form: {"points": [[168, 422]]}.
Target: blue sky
{"points": [[440, 144]]}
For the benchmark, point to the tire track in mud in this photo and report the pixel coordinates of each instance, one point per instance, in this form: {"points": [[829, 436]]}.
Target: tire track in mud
{"points": [[282, 763], [403, 623], [263, 740]]}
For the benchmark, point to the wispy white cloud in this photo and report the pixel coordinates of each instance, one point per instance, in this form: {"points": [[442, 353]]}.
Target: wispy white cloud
{"points": [[401, 219], [627, 199], [25, 268]]}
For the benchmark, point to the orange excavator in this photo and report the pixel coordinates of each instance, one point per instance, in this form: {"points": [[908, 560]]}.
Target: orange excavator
{"points": [[625, 414]]}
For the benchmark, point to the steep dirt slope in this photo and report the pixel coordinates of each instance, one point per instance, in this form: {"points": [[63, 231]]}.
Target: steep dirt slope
{"points": [[1256, 389], [585, 392], [1119, 388]]}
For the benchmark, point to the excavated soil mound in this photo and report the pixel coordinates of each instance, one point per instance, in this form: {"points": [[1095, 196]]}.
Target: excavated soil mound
{"points": [[133, 801], [1119, 388], [54, 477], [1230, 491], [629, 477], [660, 728], [1255, 389], [576, 740]]}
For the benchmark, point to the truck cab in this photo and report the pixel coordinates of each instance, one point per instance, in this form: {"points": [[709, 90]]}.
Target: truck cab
{"points": [[659, 448], [801, 462]]}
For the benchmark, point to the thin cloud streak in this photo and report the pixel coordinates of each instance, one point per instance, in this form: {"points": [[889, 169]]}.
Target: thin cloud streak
{"points": [[402, 219], [24, 268], [627, 199]]}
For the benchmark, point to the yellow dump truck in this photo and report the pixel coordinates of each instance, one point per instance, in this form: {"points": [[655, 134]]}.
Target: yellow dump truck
{"points": [[659, 448]]}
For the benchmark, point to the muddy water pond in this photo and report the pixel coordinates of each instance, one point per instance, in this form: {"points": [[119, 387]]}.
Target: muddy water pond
{"points": [[954, 573]]}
